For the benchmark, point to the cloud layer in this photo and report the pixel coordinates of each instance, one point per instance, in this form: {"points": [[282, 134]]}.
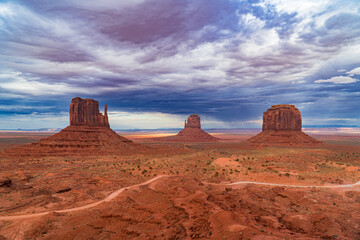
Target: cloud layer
{"points": [[227, 60]]}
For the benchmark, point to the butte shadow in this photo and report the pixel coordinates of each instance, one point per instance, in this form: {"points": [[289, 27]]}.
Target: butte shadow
{"points": [[89, 133], [282, 126], [192, 132]]}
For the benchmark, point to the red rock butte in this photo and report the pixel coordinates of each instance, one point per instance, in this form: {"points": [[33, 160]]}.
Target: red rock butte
{"points": [[89, 133], [282, 125], [193, 122], [192, 132], [86, 112]]}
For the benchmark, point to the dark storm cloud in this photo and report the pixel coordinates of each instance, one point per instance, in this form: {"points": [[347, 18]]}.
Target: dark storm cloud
{"points": [[148, 21], [228, 59]]}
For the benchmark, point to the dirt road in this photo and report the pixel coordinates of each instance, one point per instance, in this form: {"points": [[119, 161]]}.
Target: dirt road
{"points": [[117, 192]]}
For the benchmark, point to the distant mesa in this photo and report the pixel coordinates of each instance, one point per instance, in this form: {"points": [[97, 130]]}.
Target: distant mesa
{"points": [[89, 133], [192, 132], [282, 126]]}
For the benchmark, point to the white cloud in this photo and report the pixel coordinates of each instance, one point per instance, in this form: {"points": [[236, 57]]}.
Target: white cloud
{"points": [[34, 121], [16, 82], [5, 10], [337, 80], [302, 7], [355, 71], [21, 107], [155, 120], [148, 120], [309, 120]]}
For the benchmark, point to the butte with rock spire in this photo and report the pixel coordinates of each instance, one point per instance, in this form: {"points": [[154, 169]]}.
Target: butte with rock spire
{"points": [[89, 133], [282, 125], [192, 132]]}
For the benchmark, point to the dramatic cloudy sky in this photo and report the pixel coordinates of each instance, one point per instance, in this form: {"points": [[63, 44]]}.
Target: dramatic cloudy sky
{"points": [[156, 61]]}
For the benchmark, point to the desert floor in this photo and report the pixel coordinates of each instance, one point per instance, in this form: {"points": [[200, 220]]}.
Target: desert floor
{"points": [[192, 198]]}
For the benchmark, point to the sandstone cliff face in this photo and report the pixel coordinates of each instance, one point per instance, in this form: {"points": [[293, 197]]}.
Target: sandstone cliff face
{"points": [[86, 112], [193, 121], [282, 126], [282, 117]]}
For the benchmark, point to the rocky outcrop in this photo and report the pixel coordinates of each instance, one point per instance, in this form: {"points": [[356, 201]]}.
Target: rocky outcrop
{"points": [[192, 132], [193, 122], [282, 117], [5, 182], [282, 126], [89, 133], [86, 112]]}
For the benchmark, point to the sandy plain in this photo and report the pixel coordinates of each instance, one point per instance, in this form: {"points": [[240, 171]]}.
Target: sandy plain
{"points": [[193, 198]]}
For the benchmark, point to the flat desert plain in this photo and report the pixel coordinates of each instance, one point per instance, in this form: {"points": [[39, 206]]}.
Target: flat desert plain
{"points": [[219, 190]]}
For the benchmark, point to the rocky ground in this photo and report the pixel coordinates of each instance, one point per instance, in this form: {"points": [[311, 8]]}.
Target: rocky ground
{"points": [[192, 202]]}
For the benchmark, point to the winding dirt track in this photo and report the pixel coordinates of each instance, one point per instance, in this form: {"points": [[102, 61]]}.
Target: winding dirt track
{"points": [[107, 199], [117, 192], [297, 186]]}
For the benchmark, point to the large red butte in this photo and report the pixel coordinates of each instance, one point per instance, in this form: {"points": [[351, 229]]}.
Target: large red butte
{"points": [[282, 126], [193, 122], [282, 117], [86, 112], [89, 133]]}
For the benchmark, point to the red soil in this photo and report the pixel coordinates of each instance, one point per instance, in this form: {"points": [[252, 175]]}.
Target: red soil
{"points": [[283, 138], [186, 208], [194, 203]]}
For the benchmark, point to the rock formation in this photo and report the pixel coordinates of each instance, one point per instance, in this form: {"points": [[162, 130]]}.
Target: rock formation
{"points": [[86, 112], [5, 182], [192, 132], [282, 126], [193, 122], [282, 117], [89, 133]]}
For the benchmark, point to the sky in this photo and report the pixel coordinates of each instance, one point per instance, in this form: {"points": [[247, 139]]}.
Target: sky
{"points": [[154, 62]]}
